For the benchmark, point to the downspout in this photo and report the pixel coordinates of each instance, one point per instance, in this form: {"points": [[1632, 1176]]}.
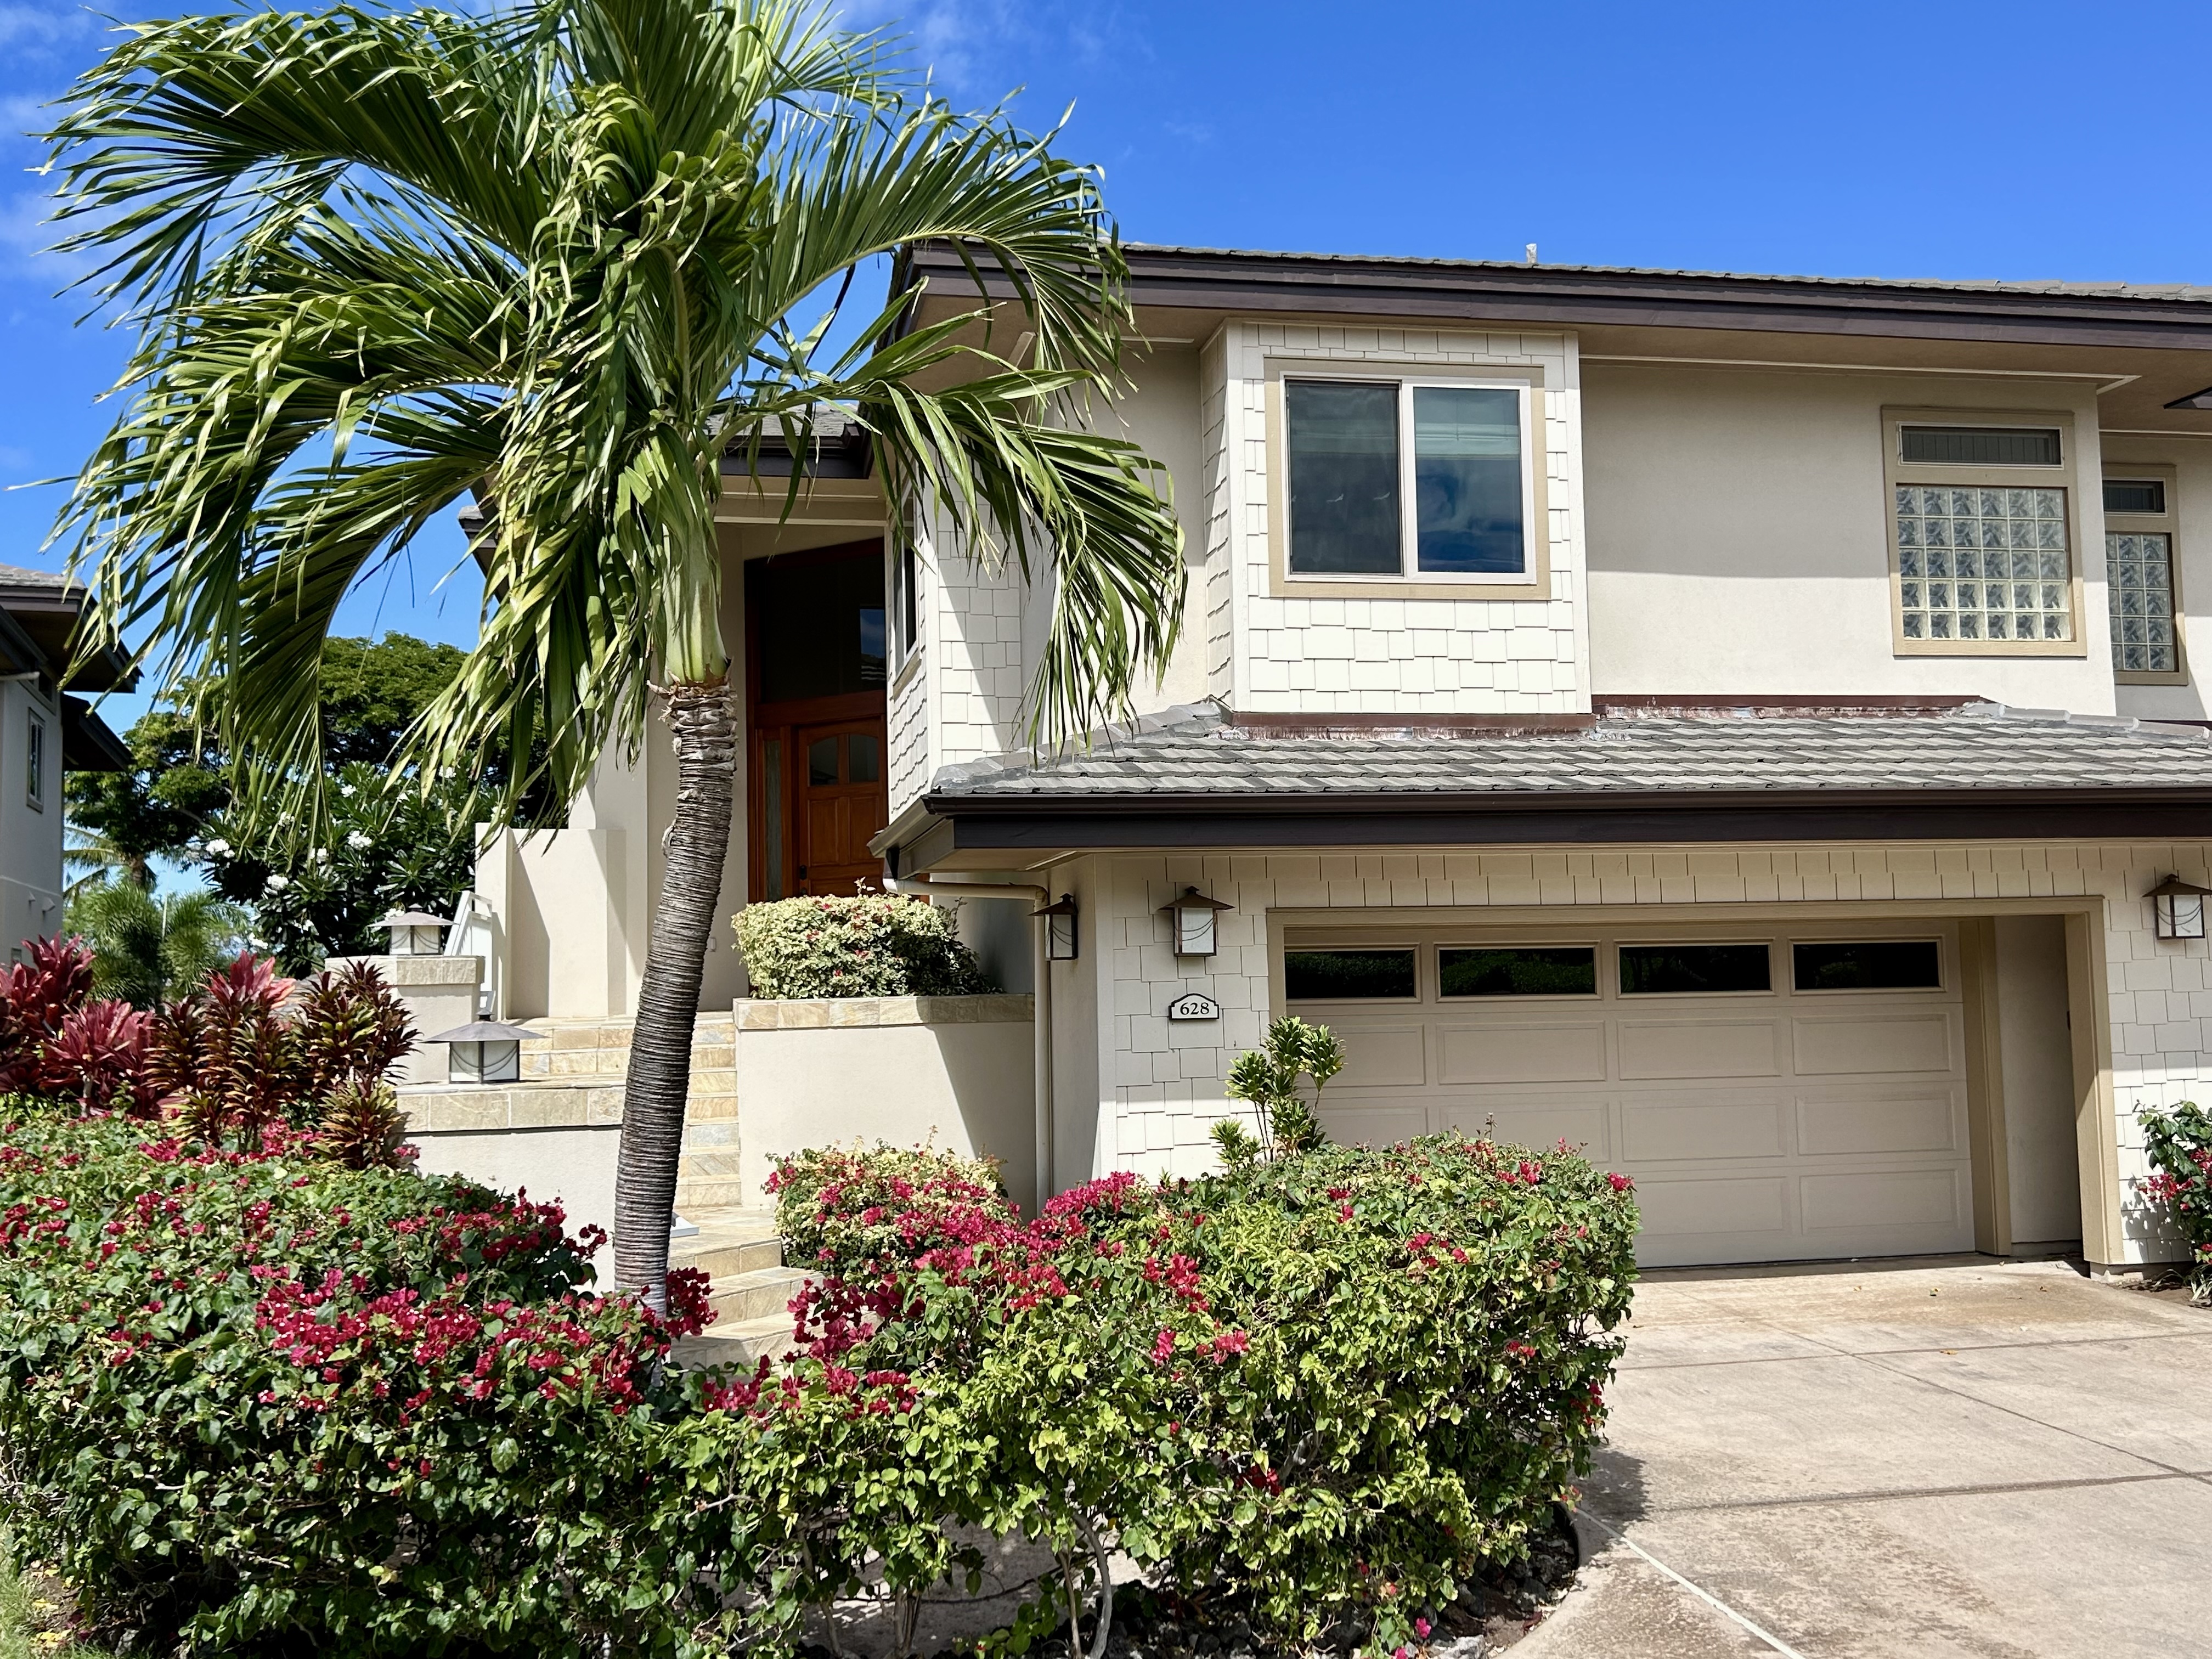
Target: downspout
{"points": [[1041, 1006]]}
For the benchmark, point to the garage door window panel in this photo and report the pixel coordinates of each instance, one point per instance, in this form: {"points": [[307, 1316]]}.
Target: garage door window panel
{"points": [[1696, 970], [1353, 976], [1867, 965], [1517, 971]]}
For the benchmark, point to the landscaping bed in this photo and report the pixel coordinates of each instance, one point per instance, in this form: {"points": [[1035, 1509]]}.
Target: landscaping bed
{"points": [[254, 1399]]}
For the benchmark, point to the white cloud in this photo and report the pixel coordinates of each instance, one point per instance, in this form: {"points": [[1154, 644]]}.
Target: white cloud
{"points": [[26, 238]]}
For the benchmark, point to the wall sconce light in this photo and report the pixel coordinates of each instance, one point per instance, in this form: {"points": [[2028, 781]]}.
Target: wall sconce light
{"points": [[2177, 908], [1193, 915], [415, 933], [486, 1051], [1060, 941]]}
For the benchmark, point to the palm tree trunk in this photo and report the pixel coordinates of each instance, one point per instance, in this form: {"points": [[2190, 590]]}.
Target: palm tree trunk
{"points": [[658, 1085]]}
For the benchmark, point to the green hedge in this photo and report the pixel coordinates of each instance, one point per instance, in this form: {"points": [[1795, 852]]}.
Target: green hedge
{"points": [[260, 1400], [876, 945]]}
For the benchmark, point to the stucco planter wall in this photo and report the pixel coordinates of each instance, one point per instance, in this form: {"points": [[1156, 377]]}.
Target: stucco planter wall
{"points": [[959, 1070]]}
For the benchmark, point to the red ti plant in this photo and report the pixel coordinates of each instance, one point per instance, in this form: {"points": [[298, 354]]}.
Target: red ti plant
{"points": [[100, 1056], [35, 998]]}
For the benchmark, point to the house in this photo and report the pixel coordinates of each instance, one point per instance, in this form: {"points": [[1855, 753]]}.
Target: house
{"points": [[1733, 723], [44, 731]]}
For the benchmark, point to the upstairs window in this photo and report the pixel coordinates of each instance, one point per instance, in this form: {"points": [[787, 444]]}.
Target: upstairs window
{"points": [[2141, 586], [1982, 537], [1407, 478], [35, 764]]}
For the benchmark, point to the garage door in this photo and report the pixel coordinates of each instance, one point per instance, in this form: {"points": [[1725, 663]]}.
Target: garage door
{"points": [[1777, 1096]]}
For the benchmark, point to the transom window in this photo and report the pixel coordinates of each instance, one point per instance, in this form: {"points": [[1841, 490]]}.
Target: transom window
{"points": [[1408, 478], [1981, 526], [2139, 576]]}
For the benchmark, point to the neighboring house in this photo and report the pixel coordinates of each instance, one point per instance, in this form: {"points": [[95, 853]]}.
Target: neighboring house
{"points": [[44, 731], [1730, 722]]}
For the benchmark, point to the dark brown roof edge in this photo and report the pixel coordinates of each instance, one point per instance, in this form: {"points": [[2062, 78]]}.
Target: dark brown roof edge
{"points": [[1565, 296]]}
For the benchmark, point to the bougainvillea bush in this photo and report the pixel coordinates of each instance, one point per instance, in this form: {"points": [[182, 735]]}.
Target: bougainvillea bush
{"points": [[2179, 1146], [872, 945], [1324, 1388], [257, 1401], [249, 1397]]}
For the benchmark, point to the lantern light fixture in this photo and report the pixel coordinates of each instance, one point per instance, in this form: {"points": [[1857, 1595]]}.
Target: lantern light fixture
{"points": [[1060, 936], [1193, 915], [415, 933], [2177, 908], [484, 1051]]}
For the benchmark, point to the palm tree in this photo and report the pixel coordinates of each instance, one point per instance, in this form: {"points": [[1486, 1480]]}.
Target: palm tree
{"points": [[147, 950], [563, 257]]}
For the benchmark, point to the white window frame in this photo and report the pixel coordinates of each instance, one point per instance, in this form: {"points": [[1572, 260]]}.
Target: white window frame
{"points": [[2169, 525], [1532, 583], [34, 761], [1898, 473]]}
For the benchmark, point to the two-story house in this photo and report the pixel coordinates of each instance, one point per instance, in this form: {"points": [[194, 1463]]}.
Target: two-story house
{"points": [[1733, 723], [44, 731]]}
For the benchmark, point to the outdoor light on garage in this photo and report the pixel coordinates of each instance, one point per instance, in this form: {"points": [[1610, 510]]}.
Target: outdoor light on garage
{"points": [[415, 933], [2177, 908], [1060, 944], [484, 1052], [1193, 915]]}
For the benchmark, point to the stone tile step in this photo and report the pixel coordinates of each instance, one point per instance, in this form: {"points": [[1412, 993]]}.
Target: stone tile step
{"points": [[757, 1294], [736, 1342], [713, 1163], [707, 1134], [714, 1080], [698, 1192], [710, 1109], [729, 1259]]}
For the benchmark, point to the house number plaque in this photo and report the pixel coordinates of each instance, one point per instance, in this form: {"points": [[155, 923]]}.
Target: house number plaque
{"points": [[1194, 1004]]}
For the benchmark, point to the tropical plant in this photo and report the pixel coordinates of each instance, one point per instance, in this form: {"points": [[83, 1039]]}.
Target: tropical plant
{"points": [[868, 945], [565, 258], [1266, 1078], [2179, 1144], [317, 883], [145, 948]]}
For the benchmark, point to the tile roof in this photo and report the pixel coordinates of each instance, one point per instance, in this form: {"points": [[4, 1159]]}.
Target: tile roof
{"points": [[2187, 292], [1198, 751]]}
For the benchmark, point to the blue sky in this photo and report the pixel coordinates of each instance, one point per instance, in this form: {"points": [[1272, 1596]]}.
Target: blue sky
{"points": [[1950, 139]]}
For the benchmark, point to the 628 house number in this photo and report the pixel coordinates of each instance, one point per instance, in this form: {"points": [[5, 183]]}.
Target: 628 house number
{"points": [[1194, 1004]]}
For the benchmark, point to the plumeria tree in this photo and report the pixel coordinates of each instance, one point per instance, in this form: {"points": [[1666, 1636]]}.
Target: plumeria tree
{"points": [[564, 258]]}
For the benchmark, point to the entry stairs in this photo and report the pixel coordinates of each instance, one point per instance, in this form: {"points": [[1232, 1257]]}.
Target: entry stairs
{"points": [[749, 1288]]}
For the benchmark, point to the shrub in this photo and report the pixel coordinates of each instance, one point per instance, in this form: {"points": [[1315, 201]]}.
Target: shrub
{"points": [[854, 1210], [254, 1397], [1266, 1079], [2179, 1145], [1325, 1388], [238, 1053], [876, 945]]}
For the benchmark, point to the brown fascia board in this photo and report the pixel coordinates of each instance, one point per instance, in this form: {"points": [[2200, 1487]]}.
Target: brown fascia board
{"points": [[1033, 824], [1202, 280]]}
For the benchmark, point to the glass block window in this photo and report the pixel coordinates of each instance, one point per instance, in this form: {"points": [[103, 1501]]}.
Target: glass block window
{"points": [[1976, 562], [2139, 570]]}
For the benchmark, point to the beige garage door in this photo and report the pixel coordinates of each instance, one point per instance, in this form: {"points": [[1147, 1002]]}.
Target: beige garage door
{"points": [[1777, 1096]]}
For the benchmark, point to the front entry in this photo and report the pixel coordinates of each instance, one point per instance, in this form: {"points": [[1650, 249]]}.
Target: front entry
{"points": [[815, 635]]}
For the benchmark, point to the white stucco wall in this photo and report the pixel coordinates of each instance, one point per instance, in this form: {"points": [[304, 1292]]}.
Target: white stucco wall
{"points": [[1382, 655], [1738, 535], [1157, 1086], [573, 1166], [30, 837]]}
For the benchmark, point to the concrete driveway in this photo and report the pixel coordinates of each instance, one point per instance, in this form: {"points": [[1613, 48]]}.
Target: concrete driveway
{"points": [[1937, 1458]]}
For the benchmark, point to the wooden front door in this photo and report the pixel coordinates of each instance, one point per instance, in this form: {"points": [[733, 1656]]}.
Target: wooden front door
{"points": [[841, 801], [818, 789]]}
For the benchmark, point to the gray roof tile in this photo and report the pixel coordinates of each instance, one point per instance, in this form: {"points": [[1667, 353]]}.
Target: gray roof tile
{"points": [[1196, 751]]}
